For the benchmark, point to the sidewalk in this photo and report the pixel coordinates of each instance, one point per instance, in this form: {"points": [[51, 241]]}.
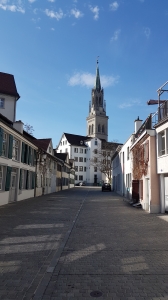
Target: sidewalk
{"points": [[82, 244]]}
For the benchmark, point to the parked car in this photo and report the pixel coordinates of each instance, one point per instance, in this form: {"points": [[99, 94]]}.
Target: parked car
{"points": [[106, 187], [81, 183]]}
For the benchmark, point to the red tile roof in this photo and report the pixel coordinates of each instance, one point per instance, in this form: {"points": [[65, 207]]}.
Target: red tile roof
{"points": [[7, 85]]}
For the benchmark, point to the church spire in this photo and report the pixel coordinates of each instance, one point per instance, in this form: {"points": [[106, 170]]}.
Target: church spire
{"points": [[98, 84]]}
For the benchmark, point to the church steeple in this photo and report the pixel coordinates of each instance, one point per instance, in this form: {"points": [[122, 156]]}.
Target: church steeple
{"points": [[98, 84], [97, 121]]}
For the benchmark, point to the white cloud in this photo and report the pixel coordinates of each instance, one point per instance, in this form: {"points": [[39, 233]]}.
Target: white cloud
{"points": [[115, 35], [31, 1], [88, 80], [53, 14], [147, 32], [129, 104], [53, 29], [76, 13], [12, 8], [114, 6], [95, 11], [51, 1]]}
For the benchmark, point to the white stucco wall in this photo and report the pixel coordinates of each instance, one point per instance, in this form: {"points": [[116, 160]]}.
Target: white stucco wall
{"points": [[9, 110]]}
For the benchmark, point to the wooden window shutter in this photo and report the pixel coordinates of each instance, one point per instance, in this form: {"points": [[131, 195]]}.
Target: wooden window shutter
{"points": [[10, 148], [35, 158], [27, 180], [23, 152], [33, 180], [29, 155], [1, 140], [8, 178], [20, 180], [26, 154]]}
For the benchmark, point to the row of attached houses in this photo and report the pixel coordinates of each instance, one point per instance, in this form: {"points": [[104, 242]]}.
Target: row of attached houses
{"points": [[29, 167], [140, 166]]}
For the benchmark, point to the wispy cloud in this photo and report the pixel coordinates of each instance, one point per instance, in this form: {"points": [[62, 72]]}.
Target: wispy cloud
{"points": [[114, 6], [76, 13], [31, 1], [53, 29], [12, 8], [147, 32], [130, 103], [88, 80], [115, 35], [54, 14], [95, 11], [51, 1]]}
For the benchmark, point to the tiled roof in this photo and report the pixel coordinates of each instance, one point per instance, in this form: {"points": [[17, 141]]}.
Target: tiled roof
{"points": [[61, 156], [76, 140], [7, 85], [42, 143]]}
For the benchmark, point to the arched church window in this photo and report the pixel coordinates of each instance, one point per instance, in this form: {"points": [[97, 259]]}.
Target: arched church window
{"points": [[89, 129], [103, 128], [92, 128], [99, 128]]}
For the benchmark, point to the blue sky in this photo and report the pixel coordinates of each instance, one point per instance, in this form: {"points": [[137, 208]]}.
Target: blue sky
{"points": [[51, 48]]}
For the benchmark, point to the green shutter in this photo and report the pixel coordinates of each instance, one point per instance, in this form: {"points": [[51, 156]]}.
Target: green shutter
{"points": [[27, 180], [20, 180], [8, 178], [26, 154], [33, 180], [23, 152], [1, 140], [32, 157], [10, 148], [35, 158]]}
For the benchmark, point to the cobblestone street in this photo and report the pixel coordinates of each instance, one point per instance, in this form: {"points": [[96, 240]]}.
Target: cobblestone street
{"points": [[82, 244]]}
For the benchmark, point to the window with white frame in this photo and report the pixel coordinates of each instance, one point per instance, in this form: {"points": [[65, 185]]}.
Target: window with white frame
{"points": [[76, 177], [80, 159], [81, 150], [162, 143], [66, 150], [2, 103], [85, 151], [76, 158], [2, 177], [84, 169], [15, 154], [128, 157], [80, 168], [84, 159], [76, 168], [76, 150], [5, 144], [80, 177]]}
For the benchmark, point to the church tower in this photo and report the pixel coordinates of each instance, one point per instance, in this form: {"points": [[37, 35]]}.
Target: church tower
{"points": [[97, 121]]}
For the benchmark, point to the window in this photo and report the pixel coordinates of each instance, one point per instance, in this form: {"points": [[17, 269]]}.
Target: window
{"points": [[92, 128], [81, 150], [63, 142], [66, 150], [84, 159], [95, 159], [99, 128], [2, 177], [127, 153], [85, 151], [76, 150], [89, 129], [95, 142], [76, 168], [80, 168], [95, 169], [4, 144], [162, 150], [80, 159], [102, 128], [49, 149], [76, 158], [15, 154], [76, 177], [80, 177], [95, 151], [60, 151], [84, 169], [2, 103]]}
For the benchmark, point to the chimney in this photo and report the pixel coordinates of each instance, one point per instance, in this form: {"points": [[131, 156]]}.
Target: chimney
{"points": [[18, 125], [138, 124]]}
